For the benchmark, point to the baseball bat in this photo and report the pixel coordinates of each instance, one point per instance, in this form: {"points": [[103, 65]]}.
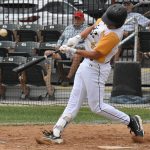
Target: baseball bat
{"points": [[32, 63]]}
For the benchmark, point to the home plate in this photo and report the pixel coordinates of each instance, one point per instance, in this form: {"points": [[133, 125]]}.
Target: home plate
{"points": [[114, 147]]}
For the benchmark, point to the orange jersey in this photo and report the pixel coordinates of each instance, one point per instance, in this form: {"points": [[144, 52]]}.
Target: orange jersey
{"points": [[104, 40]]}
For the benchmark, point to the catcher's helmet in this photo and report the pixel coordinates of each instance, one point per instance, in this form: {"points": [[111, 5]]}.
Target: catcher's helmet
{"points": [[115, 15]]}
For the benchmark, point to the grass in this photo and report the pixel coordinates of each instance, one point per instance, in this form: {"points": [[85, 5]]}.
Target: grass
{"points": [[50, 114]]}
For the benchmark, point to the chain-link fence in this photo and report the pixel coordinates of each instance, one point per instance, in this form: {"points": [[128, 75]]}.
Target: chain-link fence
{"points": [[32, 82]]}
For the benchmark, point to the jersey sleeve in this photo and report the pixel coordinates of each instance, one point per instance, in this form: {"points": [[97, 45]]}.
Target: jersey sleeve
{"points": [[98, 21], [107, 43]]}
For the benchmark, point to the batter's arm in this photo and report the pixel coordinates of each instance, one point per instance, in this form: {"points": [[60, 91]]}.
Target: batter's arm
{"points": [[87, 31]]}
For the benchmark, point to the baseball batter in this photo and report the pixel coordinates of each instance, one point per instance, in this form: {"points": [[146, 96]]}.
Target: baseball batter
{"points": [[101, 44]]}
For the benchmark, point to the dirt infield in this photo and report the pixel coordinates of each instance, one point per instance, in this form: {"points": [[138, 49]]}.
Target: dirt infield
{"points": [[77, 137]]}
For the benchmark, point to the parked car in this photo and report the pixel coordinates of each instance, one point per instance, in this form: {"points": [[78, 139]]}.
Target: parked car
{"points": [[41, 12]]}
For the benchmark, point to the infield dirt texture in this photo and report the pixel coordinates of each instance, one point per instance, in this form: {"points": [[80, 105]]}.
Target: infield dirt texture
{"points": [[76, 137]]}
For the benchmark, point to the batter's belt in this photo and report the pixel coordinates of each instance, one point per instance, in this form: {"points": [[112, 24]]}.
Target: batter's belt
{"points": [[94, 63]]}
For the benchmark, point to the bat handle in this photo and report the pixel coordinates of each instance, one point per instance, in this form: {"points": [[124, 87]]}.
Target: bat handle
{"points": [[55, 52]]}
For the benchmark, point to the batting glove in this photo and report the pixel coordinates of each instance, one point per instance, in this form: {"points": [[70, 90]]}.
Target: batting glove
{"points": [[72, 42], [67, 49]]}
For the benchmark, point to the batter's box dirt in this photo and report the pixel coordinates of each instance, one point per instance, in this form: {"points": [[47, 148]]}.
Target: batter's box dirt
{"points": [[76, 137]]}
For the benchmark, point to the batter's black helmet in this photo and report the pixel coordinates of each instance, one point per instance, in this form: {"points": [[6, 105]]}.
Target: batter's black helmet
{"points": [[115, 15]]}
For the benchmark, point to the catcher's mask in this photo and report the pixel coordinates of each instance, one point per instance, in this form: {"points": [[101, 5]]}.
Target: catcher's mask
{"points": [[115, 15]]}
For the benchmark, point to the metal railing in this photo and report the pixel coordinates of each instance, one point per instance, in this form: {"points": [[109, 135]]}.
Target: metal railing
{"points": [[136, 30]]}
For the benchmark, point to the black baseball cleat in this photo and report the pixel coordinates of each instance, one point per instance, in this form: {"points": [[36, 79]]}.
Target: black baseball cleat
{"points": [[48, 138], [136, 126]]}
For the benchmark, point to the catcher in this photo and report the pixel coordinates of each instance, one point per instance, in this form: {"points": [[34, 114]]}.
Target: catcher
{"points": [[101, 43]]}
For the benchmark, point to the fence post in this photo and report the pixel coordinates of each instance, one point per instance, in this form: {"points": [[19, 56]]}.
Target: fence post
{"points": [[136, 40]]}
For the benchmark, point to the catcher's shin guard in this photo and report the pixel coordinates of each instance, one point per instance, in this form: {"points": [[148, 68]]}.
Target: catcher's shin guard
{"points": [[136, 126]]}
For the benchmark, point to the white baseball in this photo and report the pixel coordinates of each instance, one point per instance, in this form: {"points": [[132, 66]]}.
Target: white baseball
{"points": [[3, 32]]}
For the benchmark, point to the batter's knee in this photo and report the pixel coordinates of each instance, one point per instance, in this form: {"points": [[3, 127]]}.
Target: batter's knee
{"points": [[95, 109]]}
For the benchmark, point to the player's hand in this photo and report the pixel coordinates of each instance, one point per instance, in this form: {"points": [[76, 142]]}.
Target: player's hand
{"points": [[147, 55], [48, 52], [72, 42], [67, 49]]}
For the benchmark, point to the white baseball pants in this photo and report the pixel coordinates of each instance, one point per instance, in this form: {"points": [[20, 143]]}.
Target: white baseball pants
{"points": [[89, 83]]}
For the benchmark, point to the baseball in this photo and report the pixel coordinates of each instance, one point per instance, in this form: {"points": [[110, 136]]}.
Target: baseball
{"points": [[3, 32]]}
